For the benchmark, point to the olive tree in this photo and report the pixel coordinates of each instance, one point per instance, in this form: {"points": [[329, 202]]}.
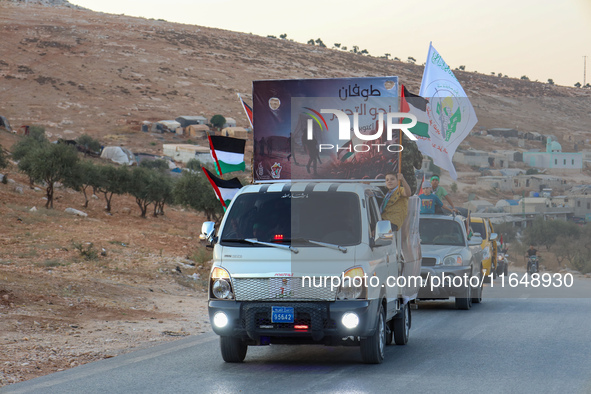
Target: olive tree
{"points": [[194, 191], [138, 186], [49, 163], [83, 176], [111, 180], [89, 144], [217, 121]]}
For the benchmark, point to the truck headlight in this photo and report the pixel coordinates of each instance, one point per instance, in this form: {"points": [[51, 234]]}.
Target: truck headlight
{"points": [[352, 284], [221, 289], [220, 284], [454, 259]]}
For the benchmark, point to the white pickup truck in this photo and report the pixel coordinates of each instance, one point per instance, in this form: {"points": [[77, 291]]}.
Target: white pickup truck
{"points": [[311, 263]]}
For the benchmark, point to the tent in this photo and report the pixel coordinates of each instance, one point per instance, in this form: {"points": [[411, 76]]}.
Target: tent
{"points": [[4, 123], [189, 120], [236, 132], [165, 125], [197, 130], [118, 154]]}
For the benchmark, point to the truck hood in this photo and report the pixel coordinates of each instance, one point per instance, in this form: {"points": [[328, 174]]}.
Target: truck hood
{"points": [[441, 250], [266, 262]]}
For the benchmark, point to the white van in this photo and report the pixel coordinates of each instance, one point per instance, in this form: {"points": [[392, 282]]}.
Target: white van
{"points": [[285, 261]]}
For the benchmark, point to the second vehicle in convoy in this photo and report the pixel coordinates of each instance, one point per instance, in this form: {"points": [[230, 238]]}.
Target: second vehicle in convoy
{"points": [[452, 264]]}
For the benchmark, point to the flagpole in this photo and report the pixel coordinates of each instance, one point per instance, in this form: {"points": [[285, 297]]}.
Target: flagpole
{"points": [[400, 94], [215, 190]]}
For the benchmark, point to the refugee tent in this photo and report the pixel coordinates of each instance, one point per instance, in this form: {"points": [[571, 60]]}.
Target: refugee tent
{"points": [[197, 130], [165, 125], [236, 132], [186, 152], [4, 123], [230, 122], [118, 154], [189, 120]]}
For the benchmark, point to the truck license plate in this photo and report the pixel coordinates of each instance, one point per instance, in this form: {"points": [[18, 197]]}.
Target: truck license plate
{"points": [[282, 314]]}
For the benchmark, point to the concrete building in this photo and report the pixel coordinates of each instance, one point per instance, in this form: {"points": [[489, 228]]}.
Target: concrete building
{"points": [[554, 158], [537, 182], [186, 152]]}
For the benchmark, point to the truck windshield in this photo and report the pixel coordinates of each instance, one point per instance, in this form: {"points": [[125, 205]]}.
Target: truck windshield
{"points": [[331, 217], [441, 232]]}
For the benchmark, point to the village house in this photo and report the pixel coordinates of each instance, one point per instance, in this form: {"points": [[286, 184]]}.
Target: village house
{"points": [[554, 158], [186, 152]]}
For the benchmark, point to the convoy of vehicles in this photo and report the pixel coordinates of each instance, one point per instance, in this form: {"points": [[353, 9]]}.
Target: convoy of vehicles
{"points": [[310, 263], [452, 264], [304, 257]]}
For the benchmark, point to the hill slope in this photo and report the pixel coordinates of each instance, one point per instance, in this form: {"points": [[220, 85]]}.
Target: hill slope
{"points": [[77, 71]]}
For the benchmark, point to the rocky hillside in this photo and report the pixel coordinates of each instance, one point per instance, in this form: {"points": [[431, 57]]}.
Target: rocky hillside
{"points": [[76, 71]]}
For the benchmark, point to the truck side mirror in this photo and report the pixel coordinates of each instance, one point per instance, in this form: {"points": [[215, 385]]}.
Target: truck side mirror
{"points": [[384, 234], [476, 240], [207, 231], [493, 237]]}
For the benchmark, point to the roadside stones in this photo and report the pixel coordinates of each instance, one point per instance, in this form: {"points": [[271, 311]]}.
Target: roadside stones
{"points": [[76, 212]]}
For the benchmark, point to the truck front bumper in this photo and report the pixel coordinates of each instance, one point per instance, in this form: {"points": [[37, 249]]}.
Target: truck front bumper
{"points": [[252, 321]]}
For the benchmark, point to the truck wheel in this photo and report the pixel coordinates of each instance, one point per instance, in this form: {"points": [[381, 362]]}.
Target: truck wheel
{"points": [[465, 302], [233, 349], [402, 326], [372, 348]]}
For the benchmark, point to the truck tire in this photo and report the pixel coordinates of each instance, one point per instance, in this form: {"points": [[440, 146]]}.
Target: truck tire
{"points": [[465, 302], [233, 349], [372, 348], [402, 326]]}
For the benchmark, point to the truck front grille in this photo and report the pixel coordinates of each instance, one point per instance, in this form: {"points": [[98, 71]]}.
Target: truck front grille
{"points": [[270, 289]]}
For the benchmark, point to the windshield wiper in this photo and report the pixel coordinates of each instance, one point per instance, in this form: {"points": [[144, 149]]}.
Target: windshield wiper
{"points": [[326, 245], [278, 246]]}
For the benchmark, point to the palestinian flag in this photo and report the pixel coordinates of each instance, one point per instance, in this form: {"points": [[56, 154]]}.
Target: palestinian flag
{"points": [[247, 109], [228, 153], [224, 190], [421, 186], [417, 106], [345, 151]]}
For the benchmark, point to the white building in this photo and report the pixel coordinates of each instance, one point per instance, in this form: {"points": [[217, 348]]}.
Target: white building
{"points": [[186, 152], [554, 158]]}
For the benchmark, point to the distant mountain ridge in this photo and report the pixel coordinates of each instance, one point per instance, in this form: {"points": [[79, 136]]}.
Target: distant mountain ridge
{"points": [[52, 3]]}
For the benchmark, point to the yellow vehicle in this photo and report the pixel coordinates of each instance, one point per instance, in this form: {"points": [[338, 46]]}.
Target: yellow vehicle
{"points": [[484, 227]]}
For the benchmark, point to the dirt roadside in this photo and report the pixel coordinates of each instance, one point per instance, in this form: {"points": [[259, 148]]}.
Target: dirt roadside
{"points": [[79, 289]]}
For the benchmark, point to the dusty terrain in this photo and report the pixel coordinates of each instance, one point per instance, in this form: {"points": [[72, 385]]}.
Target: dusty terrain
{"points": [[75, 71], [59, 308]]}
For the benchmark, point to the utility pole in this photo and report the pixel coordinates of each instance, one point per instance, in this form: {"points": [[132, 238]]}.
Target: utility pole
{"points": [[584, 71]]}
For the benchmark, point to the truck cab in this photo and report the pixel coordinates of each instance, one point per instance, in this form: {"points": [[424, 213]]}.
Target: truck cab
{"points": [[309, 263]]}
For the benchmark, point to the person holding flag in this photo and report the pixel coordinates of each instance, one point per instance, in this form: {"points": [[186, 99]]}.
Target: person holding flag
{"points": [[440, 192], [395, 204]]}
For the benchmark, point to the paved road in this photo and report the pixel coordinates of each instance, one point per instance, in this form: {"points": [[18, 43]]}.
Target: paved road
{"points": [[518, 345]]}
